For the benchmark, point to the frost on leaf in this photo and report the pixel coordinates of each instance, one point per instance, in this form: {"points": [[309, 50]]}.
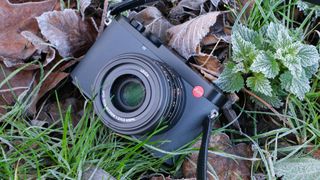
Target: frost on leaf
{"points": [[298, 168], [308, 55], [185, 38], [265, 64], [278, 35], [243, 50], [260, 84], [230, 81], [67, 32], [295, 85]]}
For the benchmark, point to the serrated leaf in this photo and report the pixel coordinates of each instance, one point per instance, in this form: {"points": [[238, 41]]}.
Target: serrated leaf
{"points": [[261, 84], [246, 33], [311, 70], [186, 37], [265, 64], [230, 81], [242, 50], [308, 55], [293, 64], [278, 35], [239, 67], [298, 86], [298, 168]]}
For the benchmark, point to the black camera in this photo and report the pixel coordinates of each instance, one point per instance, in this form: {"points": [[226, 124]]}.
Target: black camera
{"points": [[139, 85]]}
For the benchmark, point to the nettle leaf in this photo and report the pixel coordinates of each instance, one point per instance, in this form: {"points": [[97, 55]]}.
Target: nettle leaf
{"points": [[298, 86], [239, 67], [308, 55], [311, 70], [298, 168], [278, 35], [243, 50], [289, 57], [246, 33], [259, 83], [265, 64], [230, 81]]}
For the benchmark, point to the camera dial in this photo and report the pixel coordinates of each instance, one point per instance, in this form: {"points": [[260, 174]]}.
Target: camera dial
{"points": [[137, 94]]}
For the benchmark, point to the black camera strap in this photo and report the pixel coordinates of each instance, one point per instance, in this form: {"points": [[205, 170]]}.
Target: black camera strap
{"points": [[202, 165]]}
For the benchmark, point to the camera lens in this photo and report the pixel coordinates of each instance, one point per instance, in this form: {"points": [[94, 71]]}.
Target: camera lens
{"points": [[128, 93], [136, 94]]}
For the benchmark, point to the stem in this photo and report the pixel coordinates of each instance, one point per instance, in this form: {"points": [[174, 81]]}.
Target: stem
{"points": [[104, 16], [268, 106]]}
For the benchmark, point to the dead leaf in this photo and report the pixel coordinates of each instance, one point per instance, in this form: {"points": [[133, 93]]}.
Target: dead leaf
{"points": [[225, 168], [67, 32], [15, 18], [83, 6], [210, 62], [11, 90], [185, 9], [154, 22], [48, 84], [185, 38], [50, 112], [41, 46]]}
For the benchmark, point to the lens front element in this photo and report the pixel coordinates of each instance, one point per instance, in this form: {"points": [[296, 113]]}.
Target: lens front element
{"points": [[128, 93]]}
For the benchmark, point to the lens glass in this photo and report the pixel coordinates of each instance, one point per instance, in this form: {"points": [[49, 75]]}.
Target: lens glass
{"points": [[132, 93], [128, 93]]}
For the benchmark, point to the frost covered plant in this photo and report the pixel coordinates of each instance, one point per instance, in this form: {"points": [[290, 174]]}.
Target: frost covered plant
{"points": [[269, 62]]}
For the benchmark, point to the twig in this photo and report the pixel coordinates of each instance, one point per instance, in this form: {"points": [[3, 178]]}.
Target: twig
{"points": [[104, 16], [268, 106]]}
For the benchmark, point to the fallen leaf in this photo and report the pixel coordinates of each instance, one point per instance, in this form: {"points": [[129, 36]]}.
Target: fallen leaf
{"points": [[154, 22], [225, 168], [298, 168], [50, 112], [12, 89], [210, 62], [83, 6], [185, 9], [185, 38], [15, 18], [95, 173], [67, 32], [48, 84]]}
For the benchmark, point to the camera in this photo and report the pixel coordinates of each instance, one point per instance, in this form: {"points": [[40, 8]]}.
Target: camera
{"points": [[138, 85]]}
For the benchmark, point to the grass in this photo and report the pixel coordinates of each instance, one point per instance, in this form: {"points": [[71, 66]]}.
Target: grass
{"points": [[62, 151]]}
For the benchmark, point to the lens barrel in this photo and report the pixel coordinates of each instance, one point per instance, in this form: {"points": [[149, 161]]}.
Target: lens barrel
{"points": [[136, 94]]}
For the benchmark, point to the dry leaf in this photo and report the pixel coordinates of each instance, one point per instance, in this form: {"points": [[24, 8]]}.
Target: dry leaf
{"points": [[83, 6], [225, 168], [48, 84], [18, 84], [67, 32], [210, 62], [186, 8], [154, 22], [15, 18], [185, 38]]}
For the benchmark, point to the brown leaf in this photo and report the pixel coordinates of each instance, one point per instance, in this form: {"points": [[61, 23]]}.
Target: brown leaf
{"points": [[185, 38], [48, 84], [185, 8], [154, 22], [16, 85], [15, 18], [67, 32], [83, 6], [210, 62], [225, 168]]}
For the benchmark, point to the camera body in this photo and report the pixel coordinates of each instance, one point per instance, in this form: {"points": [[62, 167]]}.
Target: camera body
{"points": [[127, 62]]}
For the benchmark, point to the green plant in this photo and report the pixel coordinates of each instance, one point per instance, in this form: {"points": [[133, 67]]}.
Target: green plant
{"points": [[268, 62]]}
